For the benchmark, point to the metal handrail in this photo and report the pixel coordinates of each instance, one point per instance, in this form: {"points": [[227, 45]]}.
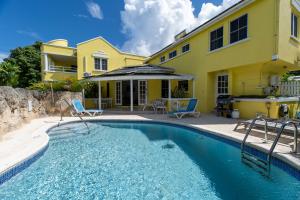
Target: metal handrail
{"points": [[250, 128], [76, 114], [269, 155]]}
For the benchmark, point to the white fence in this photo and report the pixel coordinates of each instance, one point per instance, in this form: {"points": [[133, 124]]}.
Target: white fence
{"points": [[290, 88]]}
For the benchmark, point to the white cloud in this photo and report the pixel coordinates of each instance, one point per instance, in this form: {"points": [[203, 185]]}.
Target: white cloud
{"points": [[209, 10], [81, 16], [2, 56], [94, 10], [152, 24], [32, 34]]}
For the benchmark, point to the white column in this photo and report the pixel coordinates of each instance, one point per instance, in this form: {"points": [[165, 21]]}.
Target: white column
{"points": [[46, 62], [83, 98], [99, 95], [131, 95], [193, 88], [170, 95]]}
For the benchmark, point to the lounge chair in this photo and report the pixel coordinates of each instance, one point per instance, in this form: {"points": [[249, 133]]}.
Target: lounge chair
{"points": [[190, 110], [82, 111]]}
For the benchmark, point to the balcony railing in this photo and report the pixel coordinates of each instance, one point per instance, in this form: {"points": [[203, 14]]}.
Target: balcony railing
{"points": [[63, 69]]}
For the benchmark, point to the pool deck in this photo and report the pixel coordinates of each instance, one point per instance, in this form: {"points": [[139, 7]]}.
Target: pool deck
{"points": [[18, 145]]}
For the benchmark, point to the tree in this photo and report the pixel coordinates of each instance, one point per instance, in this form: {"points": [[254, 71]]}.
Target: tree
{"points": [[28, 59], [9, 74]]}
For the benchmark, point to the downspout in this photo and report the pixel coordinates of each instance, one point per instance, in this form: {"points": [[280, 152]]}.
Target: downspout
{"points": [[275, 55]]}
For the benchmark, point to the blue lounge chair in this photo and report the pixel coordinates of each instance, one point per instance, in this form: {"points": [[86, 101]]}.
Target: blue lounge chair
{"points": [[190, 110], [82, 111]]}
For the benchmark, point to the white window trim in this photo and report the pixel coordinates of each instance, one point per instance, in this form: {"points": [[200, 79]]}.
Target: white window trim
{"points": [[229, 35], [216, 82], [293, 26], [230, 45], [172, 52], [120, 93], [146, 92], [209, 46], [101, 58]]}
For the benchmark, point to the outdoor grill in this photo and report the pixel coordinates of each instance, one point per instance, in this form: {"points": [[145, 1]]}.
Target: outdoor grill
{"points": [[224, 105]]}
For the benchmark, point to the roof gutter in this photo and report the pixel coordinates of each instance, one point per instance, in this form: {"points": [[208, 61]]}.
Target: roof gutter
{"points": [[206, 25]]}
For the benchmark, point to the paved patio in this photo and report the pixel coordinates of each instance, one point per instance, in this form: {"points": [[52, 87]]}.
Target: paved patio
{"points": [[17, 145]]}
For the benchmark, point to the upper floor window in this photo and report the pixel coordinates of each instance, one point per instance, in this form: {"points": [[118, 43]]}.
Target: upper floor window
{"points": [[172, 54], [185, 48], [100, 64], [162, 59], [239, 29], [216, 39], [183, 85], [294, 25]]}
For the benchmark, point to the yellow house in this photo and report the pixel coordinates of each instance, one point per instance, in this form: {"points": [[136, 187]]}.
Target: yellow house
{"points": [[89, 58], [242, 51]]}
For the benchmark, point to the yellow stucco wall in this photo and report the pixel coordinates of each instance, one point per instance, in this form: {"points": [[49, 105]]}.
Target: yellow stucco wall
{"points": [[116, 59], [288, 47], [248, 63], [247, 111]]}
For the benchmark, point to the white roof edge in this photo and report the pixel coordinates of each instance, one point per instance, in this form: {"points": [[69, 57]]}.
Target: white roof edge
{"points": [[100, 37], [296, 4], [199, 29], [143, 77], [44, 43], [58, 40]]}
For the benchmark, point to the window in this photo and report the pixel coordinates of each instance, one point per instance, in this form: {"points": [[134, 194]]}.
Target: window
{"points": [[100, 64], [162, 59], [104, 64], [183, 85], [118, 93], [142, 92], [172, 54], [239, 29], [294, 25], [97, 64], [216, 39], [222, 84], [164, 89], [185, 48]]}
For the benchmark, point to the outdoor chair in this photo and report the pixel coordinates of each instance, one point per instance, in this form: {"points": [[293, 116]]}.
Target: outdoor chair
{"points": [[190, 110], [78, 107]]}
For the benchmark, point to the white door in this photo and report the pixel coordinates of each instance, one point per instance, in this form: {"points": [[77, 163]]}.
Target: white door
{"points": [[142, 92], [119, 93], [222, 84]]}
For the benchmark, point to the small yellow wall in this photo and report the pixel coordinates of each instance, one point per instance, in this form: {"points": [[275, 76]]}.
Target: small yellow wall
{"points": [[116, 59], [249, 109], [58, 76]]}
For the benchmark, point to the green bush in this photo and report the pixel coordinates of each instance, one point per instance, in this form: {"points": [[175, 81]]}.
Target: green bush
{"points": [[9, 74]]}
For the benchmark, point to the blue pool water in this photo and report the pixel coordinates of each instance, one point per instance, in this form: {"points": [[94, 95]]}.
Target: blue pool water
{"points": [[143, 161]]}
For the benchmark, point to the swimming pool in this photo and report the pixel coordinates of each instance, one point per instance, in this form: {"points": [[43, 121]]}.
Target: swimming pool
{"points": [[134, 160]]}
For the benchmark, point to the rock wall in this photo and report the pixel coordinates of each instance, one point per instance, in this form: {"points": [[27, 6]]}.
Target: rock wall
{"points": [[15, 105]]}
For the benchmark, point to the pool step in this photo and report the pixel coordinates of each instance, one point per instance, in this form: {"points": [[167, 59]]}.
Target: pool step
{"points": [[257, 162]]}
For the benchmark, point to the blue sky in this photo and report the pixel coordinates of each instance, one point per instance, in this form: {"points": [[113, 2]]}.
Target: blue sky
{"points": [[24, 21]]}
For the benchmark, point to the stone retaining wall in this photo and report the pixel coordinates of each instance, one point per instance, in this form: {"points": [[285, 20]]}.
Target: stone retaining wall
{"points": [[18, 105]]}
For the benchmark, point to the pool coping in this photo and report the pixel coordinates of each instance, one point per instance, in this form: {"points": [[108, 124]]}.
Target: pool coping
{"points": [[281, 160]]}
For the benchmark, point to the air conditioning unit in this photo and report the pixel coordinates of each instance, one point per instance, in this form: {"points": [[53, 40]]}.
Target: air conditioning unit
{"points": [[87, 74], [274, 81]]}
